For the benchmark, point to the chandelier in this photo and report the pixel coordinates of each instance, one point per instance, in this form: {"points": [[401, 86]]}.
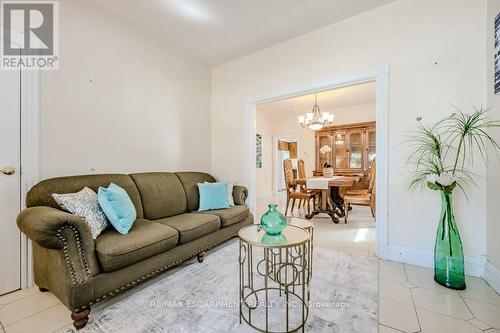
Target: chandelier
{"points": [[316, 120]]}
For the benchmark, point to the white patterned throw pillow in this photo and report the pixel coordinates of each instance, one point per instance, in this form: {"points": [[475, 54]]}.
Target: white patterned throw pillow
{"points": [[230, 186], [85, 205]]}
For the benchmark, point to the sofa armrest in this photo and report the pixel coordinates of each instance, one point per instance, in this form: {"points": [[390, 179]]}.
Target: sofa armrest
{"points": [[54, 229], [240, 194], [43, 224]]}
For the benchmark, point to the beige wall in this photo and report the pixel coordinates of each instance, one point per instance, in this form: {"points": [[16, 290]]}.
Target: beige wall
{"points": [[120, 102], [493, 170], [275, 122], [435, 59]]}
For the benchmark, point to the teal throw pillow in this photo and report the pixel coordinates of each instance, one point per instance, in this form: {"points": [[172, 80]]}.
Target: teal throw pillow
{"points": [[118, 208], [213, 196]]}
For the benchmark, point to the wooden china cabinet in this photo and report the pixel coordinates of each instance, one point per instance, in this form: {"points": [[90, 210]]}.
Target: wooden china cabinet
{"points": [[353, 148]]}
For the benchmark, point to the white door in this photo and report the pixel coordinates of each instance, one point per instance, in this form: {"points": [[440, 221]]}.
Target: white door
{"points": [[10, 180], [282, 156]]}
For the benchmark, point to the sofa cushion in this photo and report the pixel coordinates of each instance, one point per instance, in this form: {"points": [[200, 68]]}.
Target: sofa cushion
{"points": [[144, 240], [231, 215], [190, 182], [162, 194], [192, 226]]}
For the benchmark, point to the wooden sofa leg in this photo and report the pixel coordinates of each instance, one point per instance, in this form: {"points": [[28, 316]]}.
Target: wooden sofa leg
{"points": [[80, 319], [200, 256], [43, 290]]}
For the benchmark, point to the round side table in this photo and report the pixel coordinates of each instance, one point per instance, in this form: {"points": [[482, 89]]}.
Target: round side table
{"points": [[307, 225], [274, 279]]}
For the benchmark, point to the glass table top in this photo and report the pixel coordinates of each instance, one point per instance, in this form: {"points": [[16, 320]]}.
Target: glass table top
{"points": [[291, 236], [300, 222]]}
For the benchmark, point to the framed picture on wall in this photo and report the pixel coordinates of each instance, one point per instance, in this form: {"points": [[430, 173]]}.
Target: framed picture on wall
{"points": [[496, 58], [258, 150]]}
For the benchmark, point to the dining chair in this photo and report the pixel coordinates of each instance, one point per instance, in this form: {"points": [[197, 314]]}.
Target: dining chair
{"points": [[359, 197], [291, 189], [302, 174]]}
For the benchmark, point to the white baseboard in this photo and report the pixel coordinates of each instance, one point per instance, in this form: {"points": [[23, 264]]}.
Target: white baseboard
{"points": [[474, 266], [492, 276]]}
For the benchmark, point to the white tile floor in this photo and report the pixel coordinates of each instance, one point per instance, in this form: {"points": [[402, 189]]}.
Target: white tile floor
{"points": [[410, 301]]}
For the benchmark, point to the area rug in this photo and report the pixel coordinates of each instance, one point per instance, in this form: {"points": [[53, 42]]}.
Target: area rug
{"points": [[204, 297]]}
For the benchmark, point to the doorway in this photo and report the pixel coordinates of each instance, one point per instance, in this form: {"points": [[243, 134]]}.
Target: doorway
{"points": [[284, 147], [19, 146], [380, 77]]}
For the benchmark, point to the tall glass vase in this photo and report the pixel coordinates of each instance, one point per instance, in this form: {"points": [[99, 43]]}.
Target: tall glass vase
{"points": [[448, 252]]}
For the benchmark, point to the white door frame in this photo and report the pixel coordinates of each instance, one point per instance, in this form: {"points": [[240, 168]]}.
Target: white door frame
{"points": [[276, 169], [381, 76], [30, 158]]}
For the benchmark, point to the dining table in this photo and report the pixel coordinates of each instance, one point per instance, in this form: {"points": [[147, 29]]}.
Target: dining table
{"points": [[331, 202]]}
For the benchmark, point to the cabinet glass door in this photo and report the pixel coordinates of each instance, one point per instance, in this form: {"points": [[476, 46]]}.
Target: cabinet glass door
{"points": [[371, 150], [355, 150], [340, 142], [325, 149]]}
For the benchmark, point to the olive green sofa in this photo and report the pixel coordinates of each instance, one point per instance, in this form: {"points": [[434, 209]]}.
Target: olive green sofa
{"points": [[82, 271]]}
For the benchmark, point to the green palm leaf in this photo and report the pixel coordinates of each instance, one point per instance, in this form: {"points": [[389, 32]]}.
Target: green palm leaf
{"points": [[449, 147]]}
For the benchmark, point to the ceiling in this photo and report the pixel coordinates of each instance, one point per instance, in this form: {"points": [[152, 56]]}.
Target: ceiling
{"points": [[327, 100], [217, 31]]}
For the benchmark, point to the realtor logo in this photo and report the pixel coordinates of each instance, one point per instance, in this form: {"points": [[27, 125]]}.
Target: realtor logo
{"points": [[29, 37]]}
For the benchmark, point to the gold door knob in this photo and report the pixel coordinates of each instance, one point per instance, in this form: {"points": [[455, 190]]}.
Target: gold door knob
{"points": [[8, 171]]}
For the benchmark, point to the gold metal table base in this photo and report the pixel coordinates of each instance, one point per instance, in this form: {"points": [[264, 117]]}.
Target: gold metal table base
{"points": [[273, 276]]}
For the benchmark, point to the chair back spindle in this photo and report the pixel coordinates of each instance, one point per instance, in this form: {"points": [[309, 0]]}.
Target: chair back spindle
{"points": [[302, 169], [289, 180], [373, 176]]}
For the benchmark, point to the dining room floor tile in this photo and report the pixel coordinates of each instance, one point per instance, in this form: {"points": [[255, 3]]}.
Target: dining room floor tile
{"points": [[395, 291], [424, 278], [479, 324], [45, 321], [398, 315], [479, 290], [16, 295], [25, 307], [432, 322], [391, 264], [450, 305], [486, 312], [385, 329], [392, 274]]}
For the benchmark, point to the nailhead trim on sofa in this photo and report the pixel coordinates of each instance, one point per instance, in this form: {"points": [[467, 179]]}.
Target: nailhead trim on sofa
{"points": [[152, 274], [70, 265]]}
